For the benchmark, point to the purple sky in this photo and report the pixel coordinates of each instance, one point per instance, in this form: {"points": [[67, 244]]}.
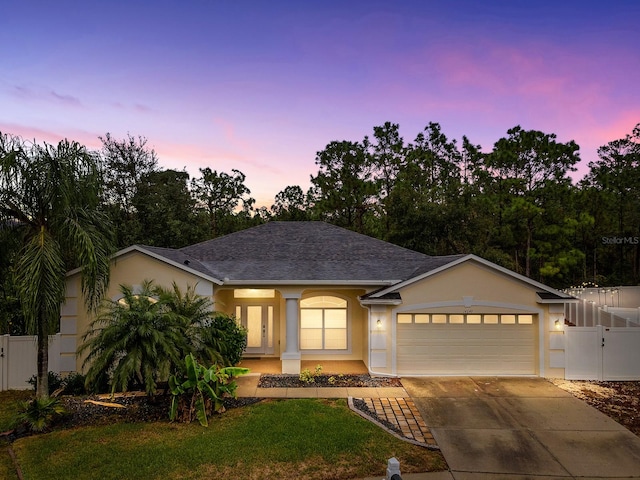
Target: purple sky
{"points": [[261, 86]]}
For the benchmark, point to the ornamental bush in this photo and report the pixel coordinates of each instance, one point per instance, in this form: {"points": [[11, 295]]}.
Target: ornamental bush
{"points": [[233, 338]]}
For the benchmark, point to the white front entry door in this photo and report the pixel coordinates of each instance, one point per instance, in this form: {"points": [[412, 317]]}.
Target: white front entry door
{"points": [[258, 320]]}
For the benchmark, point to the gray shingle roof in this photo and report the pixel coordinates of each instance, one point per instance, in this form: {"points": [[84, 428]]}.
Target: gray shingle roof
{"points": [[305, 251], [179, 257]]}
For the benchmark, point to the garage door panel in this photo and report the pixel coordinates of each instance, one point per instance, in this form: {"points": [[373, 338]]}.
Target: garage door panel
{"points": [[467, 349]]}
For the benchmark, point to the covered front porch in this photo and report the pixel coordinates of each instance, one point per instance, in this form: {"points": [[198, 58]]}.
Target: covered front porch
{"points": [[287, 325], [274, 366]]}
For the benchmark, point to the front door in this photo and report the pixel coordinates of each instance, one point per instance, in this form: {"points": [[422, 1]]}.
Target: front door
{"points": [[258, 320]]}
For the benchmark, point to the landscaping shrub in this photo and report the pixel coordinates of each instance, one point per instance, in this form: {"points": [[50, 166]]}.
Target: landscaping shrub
{"points": [[233, 338], [199, 391], [74, 384], [55, 382], [38, 414], [307, 376]]}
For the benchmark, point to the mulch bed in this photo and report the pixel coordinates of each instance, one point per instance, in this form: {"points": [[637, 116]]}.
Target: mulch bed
{"points": [[324, 380], [139, 408], [618, 400]]}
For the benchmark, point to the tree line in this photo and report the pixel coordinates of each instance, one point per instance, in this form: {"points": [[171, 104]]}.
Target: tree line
{"points": [[516, 205]]}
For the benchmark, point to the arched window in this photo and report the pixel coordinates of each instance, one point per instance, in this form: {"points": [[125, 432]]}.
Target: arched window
{"points": [[123, 301], [323, 323]]}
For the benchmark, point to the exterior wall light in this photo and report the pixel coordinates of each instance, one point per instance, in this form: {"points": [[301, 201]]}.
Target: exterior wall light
{"points": [[557, 324], [379, 324]]}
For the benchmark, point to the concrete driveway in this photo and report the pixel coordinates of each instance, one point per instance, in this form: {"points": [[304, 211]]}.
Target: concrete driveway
{"points": [[521, 428]]}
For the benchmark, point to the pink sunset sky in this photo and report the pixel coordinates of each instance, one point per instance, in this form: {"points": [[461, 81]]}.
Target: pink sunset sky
{"points": [[261, 86]]}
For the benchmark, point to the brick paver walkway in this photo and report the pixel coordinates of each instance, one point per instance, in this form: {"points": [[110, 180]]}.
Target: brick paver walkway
{"points": [[402, 413]]}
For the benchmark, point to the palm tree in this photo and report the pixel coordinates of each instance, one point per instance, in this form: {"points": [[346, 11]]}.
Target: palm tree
{"points": [[52, 194], [142, 337], [136, 340], [196, 314], [213, 337]]}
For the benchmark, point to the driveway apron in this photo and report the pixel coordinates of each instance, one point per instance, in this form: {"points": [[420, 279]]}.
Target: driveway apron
{"points": [[521, 428]]}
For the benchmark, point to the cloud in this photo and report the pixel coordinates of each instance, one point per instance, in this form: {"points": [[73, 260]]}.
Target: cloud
{"points": [[193, 156], [136, 107], [597, 133], [66, 99], [39, 135], [43, 95], [22, 92]]}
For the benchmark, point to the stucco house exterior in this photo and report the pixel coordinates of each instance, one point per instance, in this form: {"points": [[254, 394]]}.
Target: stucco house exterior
{"points": [[314, 291]]}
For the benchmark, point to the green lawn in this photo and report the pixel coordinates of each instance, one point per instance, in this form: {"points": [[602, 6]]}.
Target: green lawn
{"points": [[8, 408], [288, 439]]}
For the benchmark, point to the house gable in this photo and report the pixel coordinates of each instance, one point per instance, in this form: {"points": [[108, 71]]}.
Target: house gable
{"points": [[466, 284], [137, 265], [499, 278]]}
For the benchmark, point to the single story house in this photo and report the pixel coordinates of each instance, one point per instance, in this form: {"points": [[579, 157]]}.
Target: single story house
{"points": [[314, 291]]}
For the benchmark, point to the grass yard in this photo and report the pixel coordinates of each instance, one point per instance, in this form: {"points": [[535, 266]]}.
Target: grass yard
{"points": [[7, 471], [9, 406], [8, 409], [288, 439]]}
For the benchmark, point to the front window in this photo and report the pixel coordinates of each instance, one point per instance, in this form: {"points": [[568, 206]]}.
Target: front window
{"points": [[323, 323]]}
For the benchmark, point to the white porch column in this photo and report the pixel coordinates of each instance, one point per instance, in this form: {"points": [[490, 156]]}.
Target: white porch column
{"points": [[291, 356], [380, 328]]}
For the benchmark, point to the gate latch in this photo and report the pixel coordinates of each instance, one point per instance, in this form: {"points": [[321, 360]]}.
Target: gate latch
{"points": [[602, 342]]}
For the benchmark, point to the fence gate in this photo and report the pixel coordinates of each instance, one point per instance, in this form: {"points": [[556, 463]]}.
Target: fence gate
{"points": [[602, 353], [18, 360], [621, 353], [3, 361]]}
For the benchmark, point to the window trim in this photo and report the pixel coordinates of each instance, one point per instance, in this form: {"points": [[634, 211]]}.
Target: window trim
{"points": [[346, 309]]}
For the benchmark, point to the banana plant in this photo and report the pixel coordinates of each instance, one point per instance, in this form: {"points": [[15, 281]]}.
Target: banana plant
{"points": [[199, 385]]}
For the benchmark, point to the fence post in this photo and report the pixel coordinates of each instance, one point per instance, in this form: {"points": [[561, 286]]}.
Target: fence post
{"points": [[4, 361]]}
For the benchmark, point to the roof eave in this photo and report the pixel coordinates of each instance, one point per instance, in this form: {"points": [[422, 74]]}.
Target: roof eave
{"points": [[557, 300], [562, 300], [380, 301], [368, 283]]}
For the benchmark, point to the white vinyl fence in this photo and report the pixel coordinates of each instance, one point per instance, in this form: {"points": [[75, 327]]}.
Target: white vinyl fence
{"points": [[18, 360], [602, 345]]}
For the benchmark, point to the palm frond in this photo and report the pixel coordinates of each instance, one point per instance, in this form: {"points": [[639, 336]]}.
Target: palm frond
{"points": [[39, 271]]}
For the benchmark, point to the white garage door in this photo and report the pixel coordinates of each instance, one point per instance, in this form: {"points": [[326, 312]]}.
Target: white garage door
{"points": [[471, 344]]}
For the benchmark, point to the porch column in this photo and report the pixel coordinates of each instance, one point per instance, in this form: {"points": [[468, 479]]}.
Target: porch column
{"points": [[380, 328], [291, 356]]}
